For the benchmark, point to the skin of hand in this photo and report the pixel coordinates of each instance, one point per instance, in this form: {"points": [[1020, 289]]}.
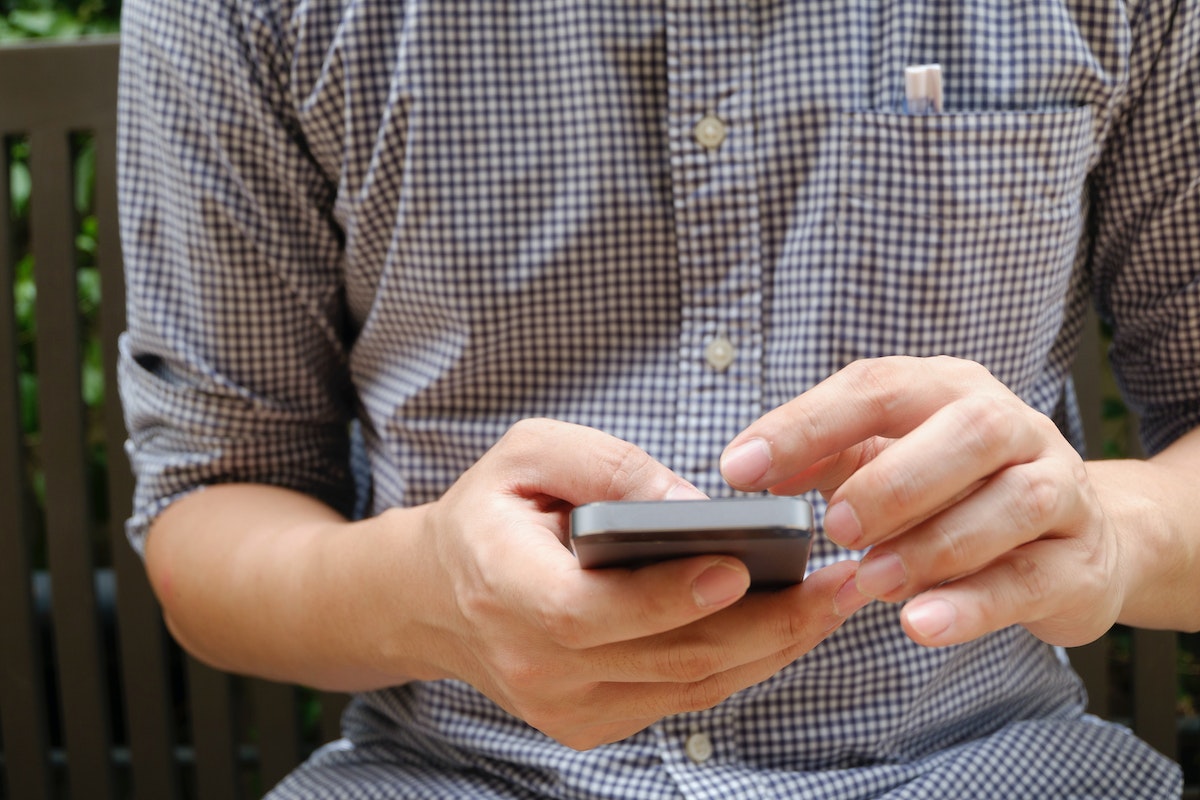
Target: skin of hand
{"points": [[480, 586], [974, 508]]}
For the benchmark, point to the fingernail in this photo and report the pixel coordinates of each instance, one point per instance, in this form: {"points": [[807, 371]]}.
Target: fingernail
{"points": [[719, 584], [931, 618], [685, 491], [841, 524], [849, 599], [745, 464], [880, 575]]}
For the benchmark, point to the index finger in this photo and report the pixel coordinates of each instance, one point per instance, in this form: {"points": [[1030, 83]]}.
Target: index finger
{"points": [[885, 397], [580, 465]]}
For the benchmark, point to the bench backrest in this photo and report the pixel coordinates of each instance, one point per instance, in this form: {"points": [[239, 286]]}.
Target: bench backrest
{"points": [[96, 701]]}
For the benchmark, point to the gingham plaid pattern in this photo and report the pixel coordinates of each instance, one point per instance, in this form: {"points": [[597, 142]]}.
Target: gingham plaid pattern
{"points": [[439, 217]]}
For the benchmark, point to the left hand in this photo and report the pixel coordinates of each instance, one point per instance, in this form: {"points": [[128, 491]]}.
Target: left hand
{"points": [[973, 503]]}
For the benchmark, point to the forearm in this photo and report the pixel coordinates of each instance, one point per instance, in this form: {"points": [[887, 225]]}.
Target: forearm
{"points": [[1156, 507], [269, 582]]}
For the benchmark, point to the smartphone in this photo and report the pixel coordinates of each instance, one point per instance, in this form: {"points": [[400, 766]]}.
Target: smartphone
{"points": [[771, 535]]}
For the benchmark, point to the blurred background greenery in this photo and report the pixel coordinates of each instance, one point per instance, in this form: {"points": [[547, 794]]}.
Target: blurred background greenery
{"points": [[59, 19]]}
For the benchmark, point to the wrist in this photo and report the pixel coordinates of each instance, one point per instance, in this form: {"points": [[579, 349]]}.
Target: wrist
{"points": [[1149, 507], [377, 598], [269, 582]]}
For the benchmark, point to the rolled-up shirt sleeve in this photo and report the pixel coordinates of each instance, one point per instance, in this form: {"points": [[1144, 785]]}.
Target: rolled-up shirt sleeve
{"points": [[1147, 246], [234, 364]]}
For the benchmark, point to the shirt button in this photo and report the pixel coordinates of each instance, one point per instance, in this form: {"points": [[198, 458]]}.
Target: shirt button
{"points": [[699, 747], [710, 131], [719, 353]]}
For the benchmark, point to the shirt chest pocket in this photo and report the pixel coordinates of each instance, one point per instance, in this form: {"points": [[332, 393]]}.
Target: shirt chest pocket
{"points": [[959, 233]]}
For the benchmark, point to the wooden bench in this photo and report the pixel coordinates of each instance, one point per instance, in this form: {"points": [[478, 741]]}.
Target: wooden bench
{"points": [[96, 701]]}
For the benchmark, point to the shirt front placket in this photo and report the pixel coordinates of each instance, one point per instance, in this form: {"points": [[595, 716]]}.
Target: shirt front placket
{"points": [[710, 51]]}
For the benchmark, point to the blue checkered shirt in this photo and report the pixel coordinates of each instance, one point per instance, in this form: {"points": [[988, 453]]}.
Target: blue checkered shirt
{"points": [[437, 217]]}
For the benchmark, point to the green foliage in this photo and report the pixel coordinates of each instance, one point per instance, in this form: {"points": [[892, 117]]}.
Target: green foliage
{"points": [[57, 19], [25, 303]]}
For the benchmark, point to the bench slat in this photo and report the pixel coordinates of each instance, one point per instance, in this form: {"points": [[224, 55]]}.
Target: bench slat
{"points": [[22, 671], [332, 706], [1154, 696], [1091, 662], [82, 672], [210, 697], [277, 730]]}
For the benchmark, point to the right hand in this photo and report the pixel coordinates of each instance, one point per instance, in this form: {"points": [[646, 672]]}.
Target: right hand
{"points": [[593, 656]]}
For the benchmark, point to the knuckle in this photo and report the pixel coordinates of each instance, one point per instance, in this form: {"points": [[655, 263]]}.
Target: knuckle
{"points": [[560, 623], [691, 664], [628, 468], [971, 369], [802, 420], [703, 695], [475, 600], [952, 550], [1093, 580], [987, 424], [873, 379], [797, 626], [523, 676], [1036, 498], [956, 371], [1031, 582], [893, 489], [524, 431], [1047, 429], [549, 718], [522, 443]]}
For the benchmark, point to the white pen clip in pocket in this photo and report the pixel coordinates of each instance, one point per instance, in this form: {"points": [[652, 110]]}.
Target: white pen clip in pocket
{"points": [[923, 89]]}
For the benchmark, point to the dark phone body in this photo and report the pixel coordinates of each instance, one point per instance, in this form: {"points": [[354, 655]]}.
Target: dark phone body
{"points": [[771, 535]]}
